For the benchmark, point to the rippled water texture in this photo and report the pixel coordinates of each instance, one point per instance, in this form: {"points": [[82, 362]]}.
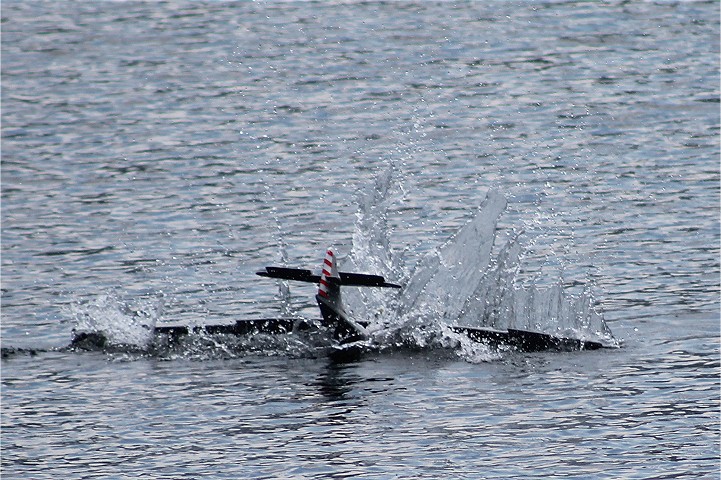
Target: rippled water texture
{"points": [[155, 155]]}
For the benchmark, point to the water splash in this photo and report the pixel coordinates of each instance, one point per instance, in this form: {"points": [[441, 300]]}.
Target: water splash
{"points": [[372, 251], [469, 280], [122, 323], [472, 279], [441, 284]]}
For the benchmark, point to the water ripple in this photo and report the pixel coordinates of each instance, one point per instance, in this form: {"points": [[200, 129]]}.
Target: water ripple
{"points": [[158, 155]]}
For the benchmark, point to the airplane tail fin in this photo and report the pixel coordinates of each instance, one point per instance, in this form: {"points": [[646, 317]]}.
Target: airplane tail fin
{"points": [[329, 270], [330, 280]]}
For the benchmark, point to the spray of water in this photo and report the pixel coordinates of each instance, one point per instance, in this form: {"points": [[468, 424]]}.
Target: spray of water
{"points": [[122, 322], [466, 281]]}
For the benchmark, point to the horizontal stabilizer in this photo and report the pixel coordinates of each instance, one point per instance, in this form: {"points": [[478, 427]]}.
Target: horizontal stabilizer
{"points": [[363, 280], [345, 279], [297, 274]]}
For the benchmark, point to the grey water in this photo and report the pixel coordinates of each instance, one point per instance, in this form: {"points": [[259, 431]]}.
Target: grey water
{"points": [[551, 164]]}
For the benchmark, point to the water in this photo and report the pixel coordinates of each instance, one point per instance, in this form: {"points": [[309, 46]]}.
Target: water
{"points": [[156, 155]]}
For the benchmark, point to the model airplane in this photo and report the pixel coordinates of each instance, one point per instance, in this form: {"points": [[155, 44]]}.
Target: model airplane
{"points": [[347, 331], [349, 336]]}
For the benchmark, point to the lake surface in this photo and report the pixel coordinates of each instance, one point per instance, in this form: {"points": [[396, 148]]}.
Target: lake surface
{"points": [[156, 155]]}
